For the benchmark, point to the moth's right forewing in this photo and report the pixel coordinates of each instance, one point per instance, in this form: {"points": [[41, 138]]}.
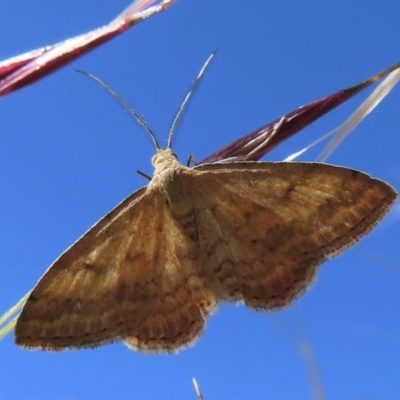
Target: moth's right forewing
{"points": [[265, 227]]}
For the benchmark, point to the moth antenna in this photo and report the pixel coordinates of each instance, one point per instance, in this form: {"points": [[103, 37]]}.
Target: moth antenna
{"points": [[185, 102], [141, 121]]}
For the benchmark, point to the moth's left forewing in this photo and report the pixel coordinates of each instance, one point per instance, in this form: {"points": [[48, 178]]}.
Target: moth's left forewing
{"points": [[72, 305], [265, 227]]}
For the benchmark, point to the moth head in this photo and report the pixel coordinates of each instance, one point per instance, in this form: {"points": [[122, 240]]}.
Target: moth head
{"points": [[164, 158]]}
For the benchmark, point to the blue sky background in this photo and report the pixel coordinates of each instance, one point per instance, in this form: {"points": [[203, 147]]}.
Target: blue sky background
{"points": [[68, 155]]}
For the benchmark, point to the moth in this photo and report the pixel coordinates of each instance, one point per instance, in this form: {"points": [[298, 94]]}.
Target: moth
{"points": [[151, 271]]}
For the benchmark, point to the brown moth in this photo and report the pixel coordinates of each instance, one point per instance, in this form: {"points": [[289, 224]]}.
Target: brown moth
{"points": [[151, 271]]}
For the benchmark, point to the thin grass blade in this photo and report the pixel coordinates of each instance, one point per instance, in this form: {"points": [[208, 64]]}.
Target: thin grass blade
{"points": [[261, 141]]}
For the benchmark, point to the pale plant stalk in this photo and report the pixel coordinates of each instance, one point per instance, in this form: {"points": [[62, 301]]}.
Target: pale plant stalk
{"points": [[9, 326], [197, 389], [343, 130], [297, 337]]}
